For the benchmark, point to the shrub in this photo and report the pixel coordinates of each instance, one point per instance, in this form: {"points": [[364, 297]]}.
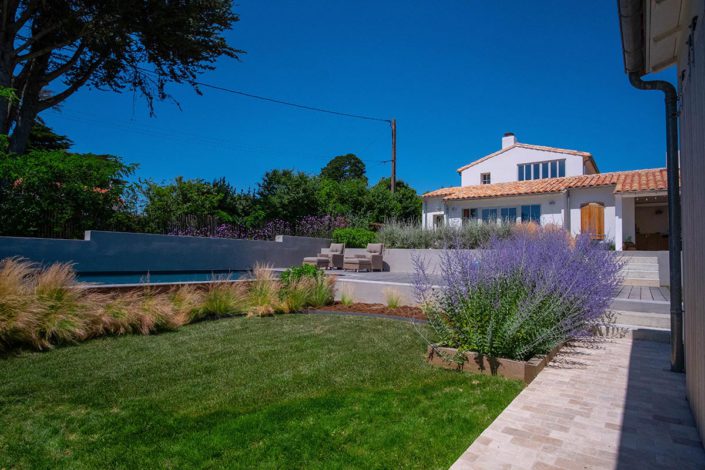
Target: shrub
{"points": [[354, 237], [521, 296], [306, 286], [296, 273], [396, 234]]}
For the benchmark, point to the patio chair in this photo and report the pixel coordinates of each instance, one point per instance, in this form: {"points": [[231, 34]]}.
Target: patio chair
{"points": [[335, 255], [374, 256]]}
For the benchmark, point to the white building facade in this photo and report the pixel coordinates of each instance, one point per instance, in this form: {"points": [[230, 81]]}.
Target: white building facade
{"points": [[547, 185]]}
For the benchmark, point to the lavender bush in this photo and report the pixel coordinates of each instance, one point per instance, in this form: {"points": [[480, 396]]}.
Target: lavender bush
{"points": [[520, 296], [309, 226]]}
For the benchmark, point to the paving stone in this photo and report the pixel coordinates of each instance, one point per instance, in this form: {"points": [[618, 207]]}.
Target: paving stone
{"points": [[601, 404]]}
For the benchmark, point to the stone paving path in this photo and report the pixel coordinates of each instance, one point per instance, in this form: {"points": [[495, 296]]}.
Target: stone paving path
{"points": [[609, 404]]}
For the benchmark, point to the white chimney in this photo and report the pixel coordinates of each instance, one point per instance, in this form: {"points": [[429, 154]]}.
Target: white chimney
{"points": [[508, 140]]}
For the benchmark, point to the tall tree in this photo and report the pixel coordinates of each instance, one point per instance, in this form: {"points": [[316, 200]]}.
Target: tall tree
{"points": [[287, 195], [344, 167], [109, 44]]}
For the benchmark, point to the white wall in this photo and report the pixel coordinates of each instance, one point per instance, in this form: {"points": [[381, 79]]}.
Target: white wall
{"points": [[503, 167], [604, 195], [625, 228], [552, 207], [431, 207]]}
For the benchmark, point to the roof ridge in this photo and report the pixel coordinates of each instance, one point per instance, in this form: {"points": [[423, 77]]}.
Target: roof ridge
{"points": [[580, 153]]}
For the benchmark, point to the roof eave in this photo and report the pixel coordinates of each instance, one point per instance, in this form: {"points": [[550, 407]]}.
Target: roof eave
{"points": [[631, 26]]}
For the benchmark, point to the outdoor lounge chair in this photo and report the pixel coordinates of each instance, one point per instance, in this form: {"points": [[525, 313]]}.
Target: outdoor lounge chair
{"points": [[335, 255], [374, 256]]}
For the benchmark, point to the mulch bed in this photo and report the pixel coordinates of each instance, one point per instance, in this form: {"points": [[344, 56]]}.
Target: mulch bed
{"points": [[403, 311]]}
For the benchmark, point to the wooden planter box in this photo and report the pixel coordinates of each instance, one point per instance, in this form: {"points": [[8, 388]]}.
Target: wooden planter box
{"points": [[480, 364]]}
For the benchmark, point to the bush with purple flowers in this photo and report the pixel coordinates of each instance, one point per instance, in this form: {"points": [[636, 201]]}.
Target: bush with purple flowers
{"points": [[309, 226], [520, 296]]}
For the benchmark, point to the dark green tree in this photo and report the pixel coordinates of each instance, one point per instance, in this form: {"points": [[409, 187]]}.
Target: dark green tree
{"points": [[42, 137], [403, 204], [346, 198], [183, 202], [344, 168], [112, 45], [60, 194], [287, 195]]}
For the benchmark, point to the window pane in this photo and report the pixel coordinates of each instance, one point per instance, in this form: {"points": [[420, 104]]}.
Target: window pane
{"points": [[526, 213], [473, 213], [489, 215], [561, 168], [544, 170], [554, 169], [509, 215], [537, 171], [536, 213], [521, 172]]}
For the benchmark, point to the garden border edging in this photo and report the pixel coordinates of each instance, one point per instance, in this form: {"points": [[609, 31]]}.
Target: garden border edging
{"points": [[476, 363]]}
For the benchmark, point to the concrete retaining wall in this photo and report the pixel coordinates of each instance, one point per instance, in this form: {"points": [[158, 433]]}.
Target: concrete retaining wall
{"points": [[399, 260], [118, 252]]}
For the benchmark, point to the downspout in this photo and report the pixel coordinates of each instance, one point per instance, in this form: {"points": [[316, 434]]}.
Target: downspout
{"points": [[674, 212]]}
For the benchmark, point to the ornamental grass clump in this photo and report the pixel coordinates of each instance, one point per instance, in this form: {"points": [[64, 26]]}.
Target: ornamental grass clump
{"points": [[305, 286], [520, 296]]}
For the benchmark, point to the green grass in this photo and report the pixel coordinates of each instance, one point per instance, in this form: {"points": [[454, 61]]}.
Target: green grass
{"points": [[291, 391]]}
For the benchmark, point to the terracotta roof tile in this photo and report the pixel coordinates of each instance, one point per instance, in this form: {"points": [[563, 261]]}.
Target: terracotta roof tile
{"points": [[624, 181], [585, 155]]}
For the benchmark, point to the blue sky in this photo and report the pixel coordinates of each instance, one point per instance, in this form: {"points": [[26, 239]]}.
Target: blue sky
{"points": [[456, 74]]}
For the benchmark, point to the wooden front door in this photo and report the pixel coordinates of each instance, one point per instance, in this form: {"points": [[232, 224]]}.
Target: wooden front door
{"points": [[592, 220]]}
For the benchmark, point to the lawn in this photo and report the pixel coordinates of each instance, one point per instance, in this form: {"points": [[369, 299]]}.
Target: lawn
{"points": [[289, 391]]}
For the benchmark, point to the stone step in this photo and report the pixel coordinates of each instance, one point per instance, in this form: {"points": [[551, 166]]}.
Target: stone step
{"points": [[645, 306], [632, 274], [647, 268], [642, 319], [640, 260], [641, 282], [659, 335]]}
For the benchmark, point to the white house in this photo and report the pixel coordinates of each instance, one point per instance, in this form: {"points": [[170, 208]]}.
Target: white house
{"points": [[524, 183]]}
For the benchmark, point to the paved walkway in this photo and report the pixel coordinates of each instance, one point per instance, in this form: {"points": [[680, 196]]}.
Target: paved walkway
{"points": [[611, 404]]}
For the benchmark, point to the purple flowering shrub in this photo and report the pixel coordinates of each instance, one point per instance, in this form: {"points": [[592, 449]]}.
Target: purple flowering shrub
{"points": [[309, 226], [520, 296]]}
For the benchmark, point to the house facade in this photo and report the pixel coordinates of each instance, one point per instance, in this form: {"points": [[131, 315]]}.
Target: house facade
{"points": [[547, 185]]}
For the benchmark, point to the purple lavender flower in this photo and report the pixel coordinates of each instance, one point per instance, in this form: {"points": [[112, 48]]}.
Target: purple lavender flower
{"points": [[520, 296]]}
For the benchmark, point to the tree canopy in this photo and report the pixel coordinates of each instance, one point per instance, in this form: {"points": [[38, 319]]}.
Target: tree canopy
{"points": [[344, 167], [50, 49]]}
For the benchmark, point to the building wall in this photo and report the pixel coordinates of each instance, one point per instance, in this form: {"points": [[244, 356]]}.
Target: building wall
{"points": [[693, 203], [503, 167], [605, 195], [431, 208], [552, 207]]}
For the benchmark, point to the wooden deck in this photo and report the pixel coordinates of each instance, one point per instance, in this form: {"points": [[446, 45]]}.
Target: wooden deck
{"points": [[659, 294]]}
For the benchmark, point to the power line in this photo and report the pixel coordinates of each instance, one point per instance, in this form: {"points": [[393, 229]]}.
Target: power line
{"points": [[283, 102]]}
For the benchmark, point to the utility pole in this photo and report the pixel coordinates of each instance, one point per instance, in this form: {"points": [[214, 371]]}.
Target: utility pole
{"points": [[394, 155]]}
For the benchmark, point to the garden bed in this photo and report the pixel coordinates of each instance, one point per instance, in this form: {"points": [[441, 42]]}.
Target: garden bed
{"points": [[476, 363], [404, 311]]}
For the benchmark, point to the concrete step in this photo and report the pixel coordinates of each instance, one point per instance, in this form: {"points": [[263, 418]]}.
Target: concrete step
{"points": [[643, 260], [641, 282], [644, 306], [659, 335], [642, 319], [642, 268]]}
